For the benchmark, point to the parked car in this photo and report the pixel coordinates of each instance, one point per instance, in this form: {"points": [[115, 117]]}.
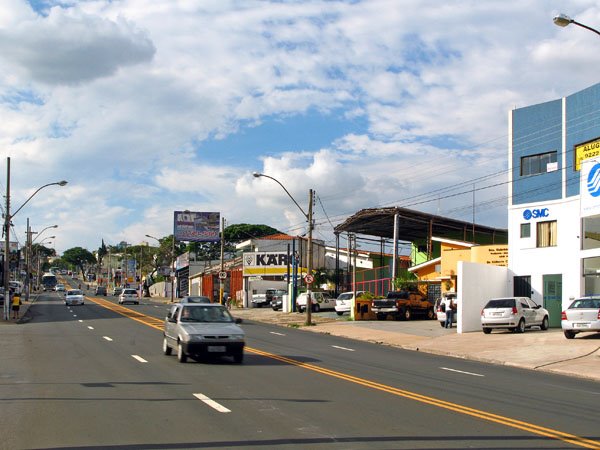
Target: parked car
{"points": [[582, 315], [195, 299], [513, 313], [16, 286], [59, 288], [100, 290], [74, 297], [199, 330], [344, 301], [402, 305], [320, 301], [117, 291], [129, 296], [277, 299], [442, 305]]}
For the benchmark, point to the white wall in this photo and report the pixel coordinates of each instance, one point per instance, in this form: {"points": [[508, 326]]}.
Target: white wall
{"points": [[477, 283]]}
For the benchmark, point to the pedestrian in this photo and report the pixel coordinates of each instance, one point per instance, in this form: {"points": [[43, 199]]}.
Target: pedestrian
{"points": [[16, 304], [450, 311]]}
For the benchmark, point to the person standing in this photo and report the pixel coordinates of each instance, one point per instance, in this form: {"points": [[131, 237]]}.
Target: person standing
{"points": [[16, 305], [450, 310]]}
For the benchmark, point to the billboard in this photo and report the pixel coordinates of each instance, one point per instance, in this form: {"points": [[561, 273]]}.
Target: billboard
{"points": [[196, 226], [589, 188]]}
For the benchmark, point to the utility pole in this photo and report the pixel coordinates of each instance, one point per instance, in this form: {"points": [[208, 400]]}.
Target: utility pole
{"points": [[221, 280], [7, 242], [309, 250]]}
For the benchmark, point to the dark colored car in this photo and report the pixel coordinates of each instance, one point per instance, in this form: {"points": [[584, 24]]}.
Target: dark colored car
{"points": [[101, 290]]}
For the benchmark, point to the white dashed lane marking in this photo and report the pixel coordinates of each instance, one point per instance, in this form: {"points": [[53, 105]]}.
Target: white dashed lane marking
{"points": [[344, 348], [278, 334], [212, 403], [107, 338], [91, 328], [460, 371], [139, 358]]}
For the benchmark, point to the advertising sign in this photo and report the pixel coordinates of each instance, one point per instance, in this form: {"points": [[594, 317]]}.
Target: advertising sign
{"points": [[586, 151], [265, 263], [589, 188], [197, 226]]}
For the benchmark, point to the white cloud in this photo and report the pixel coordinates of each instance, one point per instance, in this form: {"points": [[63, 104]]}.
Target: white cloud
{"points": [[120, 99]]}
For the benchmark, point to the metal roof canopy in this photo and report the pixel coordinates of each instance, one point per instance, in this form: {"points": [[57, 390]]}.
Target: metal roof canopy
{"points": [[413, 226]]}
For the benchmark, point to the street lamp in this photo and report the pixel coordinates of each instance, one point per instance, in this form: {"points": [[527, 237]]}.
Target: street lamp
{"points": [[7, 220], [172, 269], [40, 233], [28, 243], [309, 250], [562, 20]]}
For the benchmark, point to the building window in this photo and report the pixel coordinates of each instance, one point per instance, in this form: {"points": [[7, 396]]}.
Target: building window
{"points": [[591, 232], [534, 164], [546, 234], [522, 286], [525, 230]]}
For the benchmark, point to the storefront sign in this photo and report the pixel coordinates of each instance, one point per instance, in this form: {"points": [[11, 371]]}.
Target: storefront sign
{"points": [[537, 213], [265, 263], [589, 188]]}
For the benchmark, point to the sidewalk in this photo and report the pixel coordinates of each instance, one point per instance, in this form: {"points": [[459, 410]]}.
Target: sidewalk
{"points": [[547, 351]]}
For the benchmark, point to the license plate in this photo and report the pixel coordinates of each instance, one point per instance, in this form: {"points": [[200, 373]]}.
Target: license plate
{"points": [[581, 325], [497, 314], [216, 348]]}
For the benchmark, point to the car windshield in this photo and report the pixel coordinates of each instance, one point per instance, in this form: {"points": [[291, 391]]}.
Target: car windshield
{"points": [[501, 303], [75, 292], [205, 314], [130, 291], [586, 303], [345, 296]]}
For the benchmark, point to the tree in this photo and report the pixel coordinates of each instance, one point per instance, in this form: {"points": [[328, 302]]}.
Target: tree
{"points": [[102, 252], [242, 231], [78, 257]]}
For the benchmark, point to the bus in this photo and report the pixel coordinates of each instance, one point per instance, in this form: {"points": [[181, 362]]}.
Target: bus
{"points": [[48, 281]]}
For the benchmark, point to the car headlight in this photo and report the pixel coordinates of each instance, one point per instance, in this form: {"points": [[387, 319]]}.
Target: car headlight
{"points": [[236, 337]]}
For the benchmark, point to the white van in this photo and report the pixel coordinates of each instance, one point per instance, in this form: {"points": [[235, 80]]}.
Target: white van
{"points": [[320, 301]]}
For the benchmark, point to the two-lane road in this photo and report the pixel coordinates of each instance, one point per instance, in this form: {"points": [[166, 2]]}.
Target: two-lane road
{"points": [[95, 376]]}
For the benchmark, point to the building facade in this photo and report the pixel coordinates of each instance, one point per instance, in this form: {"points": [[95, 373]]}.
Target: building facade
{"points": [[554, 242]]}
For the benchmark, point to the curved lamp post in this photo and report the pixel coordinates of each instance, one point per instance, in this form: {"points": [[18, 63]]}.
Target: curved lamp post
{"points": [[562, 20], [7, 220], [309, 250]]}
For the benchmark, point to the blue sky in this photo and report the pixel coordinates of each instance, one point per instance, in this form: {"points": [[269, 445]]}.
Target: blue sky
{"points": [[151, 107]]}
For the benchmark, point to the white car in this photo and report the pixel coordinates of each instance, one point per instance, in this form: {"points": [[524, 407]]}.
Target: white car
{"points": [[582, 315], [513, 313], [129, 296], [59, 288], [320, 301], [74, 297], [345, 300]]}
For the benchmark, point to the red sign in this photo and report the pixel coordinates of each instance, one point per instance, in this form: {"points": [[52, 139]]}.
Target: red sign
{"points": [[309, 279]]}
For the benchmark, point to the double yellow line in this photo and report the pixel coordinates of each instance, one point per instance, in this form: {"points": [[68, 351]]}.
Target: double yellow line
{"points": [[502, 420]]}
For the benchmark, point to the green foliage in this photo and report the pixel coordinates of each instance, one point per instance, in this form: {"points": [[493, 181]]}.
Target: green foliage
{"points": [[242, 231], [78, 257]]}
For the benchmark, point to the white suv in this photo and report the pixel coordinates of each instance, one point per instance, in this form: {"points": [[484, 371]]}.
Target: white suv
{"points": [[319, 300], [513, 313]]}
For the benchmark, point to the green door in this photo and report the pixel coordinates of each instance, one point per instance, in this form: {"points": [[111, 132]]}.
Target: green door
{"points": [[553, 298]]}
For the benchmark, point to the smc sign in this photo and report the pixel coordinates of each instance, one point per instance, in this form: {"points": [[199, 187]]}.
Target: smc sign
{"points": [[536, 213]]}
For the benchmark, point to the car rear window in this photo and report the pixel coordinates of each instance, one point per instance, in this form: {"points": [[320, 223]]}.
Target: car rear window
{"points": [[586, 303], [501, 303]]}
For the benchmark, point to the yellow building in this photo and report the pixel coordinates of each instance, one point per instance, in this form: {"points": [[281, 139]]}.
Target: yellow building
{"points": [[443, 270]]}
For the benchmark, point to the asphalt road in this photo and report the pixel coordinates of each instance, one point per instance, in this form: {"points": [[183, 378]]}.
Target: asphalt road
{"points": [[94, 376]]}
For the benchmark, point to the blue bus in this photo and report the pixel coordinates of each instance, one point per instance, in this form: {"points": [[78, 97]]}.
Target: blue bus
{"points": [[48, 281]]}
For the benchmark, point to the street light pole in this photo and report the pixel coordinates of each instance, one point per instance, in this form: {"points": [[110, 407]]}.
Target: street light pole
{"points": [[7, 219], [309, 249], [562, 20], [28, 243]]}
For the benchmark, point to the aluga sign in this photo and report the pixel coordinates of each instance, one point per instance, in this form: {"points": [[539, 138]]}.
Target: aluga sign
{"points": [[265, 263]]}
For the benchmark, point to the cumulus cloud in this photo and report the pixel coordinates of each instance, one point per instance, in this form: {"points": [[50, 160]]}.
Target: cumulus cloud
{"points": [[70, 48]]}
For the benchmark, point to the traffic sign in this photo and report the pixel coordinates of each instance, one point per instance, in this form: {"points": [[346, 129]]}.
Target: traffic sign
{"points": [[309, 278], [222, 275]]}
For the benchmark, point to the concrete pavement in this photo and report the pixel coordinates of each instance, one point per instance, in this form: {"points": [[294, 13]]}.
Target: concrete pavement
{"points": [[547, 351]]}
